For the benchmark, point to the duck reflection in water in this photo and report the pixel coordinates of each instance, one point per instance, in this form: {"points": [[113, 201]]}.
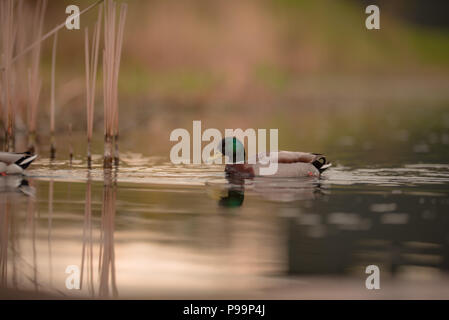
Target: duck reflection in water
{"points": [[14, 184], [15, 191], [232, 194]]}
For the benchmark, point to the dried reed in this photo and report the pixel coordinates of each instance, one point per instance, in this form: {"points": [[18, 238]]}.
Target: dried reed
{"points": [[23, 25], [34, 79], [8, 35], [15, 35], [70, 144], [113, 40], [91, 79], [50, 33], [52, 99]]}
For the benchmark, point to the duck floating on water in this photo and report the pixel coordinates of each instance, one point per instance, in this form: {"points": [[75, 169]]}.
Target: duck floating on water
{"points": [[289, 164], [15, 163]]}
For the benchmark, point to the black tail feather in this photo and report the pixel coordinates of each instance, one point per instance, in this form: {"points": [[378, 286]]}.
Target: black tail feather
{"points": [[320, 163], [26, 160]]}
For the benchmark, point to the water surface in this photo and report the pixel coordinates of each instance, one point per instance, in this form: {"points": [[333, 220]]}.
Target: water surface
{"points": [[149, 229]]}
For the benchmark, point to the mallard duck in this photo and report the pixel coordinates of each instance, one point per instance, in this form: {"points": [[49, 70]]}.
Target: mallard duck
{"points": [[289, 164], [15, 163]]}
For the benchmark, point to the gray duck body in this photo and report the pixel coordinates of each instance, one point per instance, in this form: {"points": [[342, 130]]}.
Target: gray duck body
{"points": [[290, 164], [15, 163]]}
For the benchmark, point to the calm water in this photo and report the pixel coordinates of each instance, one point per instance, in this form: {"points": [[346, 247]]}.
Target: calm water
{"points": [[153, 230]]}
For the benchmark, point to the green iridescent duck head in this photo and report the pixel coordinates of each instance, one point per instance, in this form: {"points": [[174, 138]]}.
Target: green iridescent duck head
{"points": [[232, 149]]}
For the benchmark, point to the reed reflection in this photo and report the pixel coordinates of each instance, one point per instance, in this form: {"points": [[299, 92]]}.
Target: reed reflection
{"points": [[50, 222], [4, 237], [107, 284], [15, 190], [106, 264], [87, 251], [31, 226]]}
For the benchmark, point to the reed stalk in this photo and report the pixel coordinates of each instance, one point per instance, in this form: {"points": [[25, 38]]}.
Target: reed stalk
{"points": [[15, 32], [52, 100], [1, 103], [70, 144], [49, 34], [34, 78], [91, 61], [113, 41], [23, 25], [8, 35]]}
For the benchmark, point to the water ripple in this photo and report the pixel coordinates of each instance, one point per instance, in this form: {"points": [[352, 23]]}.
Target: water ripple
{"points": [[134, 168]]}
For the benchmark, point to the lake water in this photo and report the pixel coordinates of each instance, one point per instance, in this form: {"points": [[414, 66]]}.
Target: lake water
{"points": [[161, 231], [149, 229]]}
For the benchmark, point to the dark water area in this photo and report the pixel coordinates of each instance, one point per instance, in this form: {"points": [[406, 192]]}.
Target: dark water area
{"points": [[151, 229]]}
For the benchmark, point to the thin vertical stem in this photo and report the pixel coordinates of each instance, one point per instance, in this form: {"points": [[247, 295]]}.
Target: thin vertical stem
{"points": [[8, 36], [52, 101], [70, 144], [113, 38], [88, 106], [91, 61], [35, 81]]}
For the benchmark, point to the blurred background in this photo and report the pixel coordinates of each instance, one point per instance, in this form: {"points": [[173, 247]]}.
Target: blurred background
{"points": [[309, 68]]}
